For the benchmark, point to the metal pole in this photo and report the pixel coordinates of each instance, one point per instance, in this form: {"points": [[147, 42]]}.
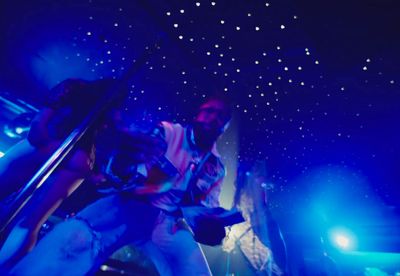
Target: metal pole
{"points": [[58, 156]]}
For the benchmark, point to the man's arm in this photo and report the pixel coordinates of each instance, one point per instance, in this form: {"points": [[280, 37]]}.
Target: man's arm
{"points": [[38, 135], [59, 96]]}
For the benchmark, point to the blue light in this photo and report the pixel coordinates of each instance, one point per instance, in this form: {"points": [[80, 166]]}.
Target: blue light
{"points": [[342, 239], [19, 130]]}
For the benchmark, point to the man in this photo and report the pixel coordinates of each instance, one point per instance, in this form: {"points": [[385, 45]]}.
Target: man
{"points": [[190, 172], [69, 103]]}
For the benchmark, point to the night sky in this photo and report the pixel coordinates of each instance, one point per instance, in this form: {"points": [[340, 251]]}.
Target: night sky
{"points": [[315, 86]]}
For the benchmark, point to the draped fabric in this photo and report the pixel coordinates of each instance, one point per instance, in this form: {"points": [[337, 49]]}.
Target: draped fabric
{"points": [[251, 237]]}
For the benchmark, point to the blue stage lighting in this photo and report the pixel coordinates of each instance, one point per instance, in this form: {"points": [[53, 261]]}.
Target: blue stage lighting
{"points": [[342, 241], [342, 238]]}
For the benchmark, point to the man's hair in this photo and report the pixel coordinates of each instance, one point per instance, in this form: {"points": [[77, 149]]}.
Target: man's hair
{"points": [[219, 98]]}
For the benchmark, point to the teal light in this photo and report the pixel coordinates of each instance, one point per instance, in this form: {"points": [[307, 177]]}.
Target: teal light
{"points": [[342, 238]]}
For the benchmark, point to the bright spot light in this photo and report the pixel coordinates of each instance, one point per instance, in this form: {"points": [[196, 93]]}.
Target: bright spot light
{"points": [[19, 130], [1, 154], [343, 239]]}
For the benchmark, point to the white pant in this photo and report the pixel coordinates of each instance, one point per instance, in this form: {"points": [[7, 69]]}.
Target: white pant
{"points": [[173, 249]]}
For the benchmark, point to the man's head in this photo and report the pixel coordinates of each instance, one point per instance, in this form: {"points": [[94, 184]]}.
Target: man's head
{"points": [[211, 121]]}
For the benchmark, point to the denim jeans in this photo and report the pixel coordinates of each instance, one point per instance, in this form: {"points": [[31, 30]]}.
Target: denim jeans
{"points": [[80, 245]]}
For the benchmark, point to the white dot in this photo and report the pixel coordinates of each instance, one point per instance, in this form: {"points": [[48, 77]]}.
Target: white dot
{"points": [[295, 16], [237, 28], [222, 22], [267, 4], [212, 3], [216, 45], [198, 4], [365, 68], [89, 33], [175, 25], [282, 27], [182, 11], [208, 53], [368, 60], [256, 62], [392, 82], [286, 69], [115, 24], [299, 68], [238, 70], [257, 28], [180, 37], [249, 14], [316, 62], [278, 47], [168, 13]]}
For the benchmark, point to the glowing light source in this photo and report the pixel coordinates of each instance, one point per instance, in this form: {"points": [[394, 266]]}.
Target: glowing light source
{"points": [[342, 241], [342, 238]]}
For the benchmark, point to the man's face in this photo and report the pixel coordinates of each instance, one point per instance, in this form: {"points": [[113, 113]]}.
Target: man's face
{"points": [[213, 116], [210, 122]]}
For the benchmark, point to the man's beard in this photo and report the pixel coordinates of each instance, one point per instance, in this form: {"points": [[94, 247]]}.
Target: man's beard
{"points": [[205, 138]]}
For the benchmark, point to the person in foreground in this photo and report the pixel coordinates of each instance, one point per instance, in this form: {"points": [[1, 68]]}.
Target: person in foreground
{"points": [[187, 172], [68, 104]]}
